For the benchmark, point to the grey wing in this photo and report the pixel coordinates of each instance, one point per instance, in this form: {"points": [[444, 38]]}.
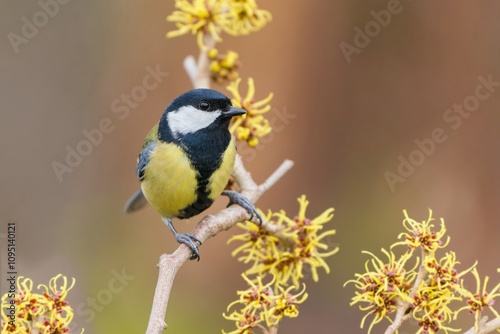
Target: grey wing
{"points": [[143, 160], [138, 200]]}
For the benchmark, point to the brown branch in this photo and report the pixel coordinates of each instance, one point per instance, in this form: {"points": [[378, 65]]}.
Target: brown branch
{"points": [[199, 72], [208, 227], [273, 329], [211, 225], [244, 179], [263, 329], [485, 327]]}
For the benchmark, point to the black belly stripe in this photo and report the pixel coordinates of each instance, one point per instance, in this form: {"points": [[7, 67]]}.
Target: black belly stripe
{"points": [[202, 203], [205, 150]]}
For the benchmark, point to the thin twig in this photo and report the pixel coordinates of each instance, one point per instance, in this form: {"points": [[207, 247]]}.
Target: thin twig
{"points": [[263, 329], [198, 72], [273, 329], [242, 176], [285, 166], [245, 180], [486, 327], [210, 226]]}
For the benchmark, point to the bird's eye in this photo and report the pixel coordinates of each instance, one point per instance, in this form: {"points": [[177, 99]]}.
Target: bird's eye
{"points": [[204, 105]]}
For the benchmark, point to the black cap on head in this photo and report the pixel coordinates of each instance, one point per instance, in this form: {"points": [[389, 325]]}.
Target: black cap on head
{"points": [[201, 98]]}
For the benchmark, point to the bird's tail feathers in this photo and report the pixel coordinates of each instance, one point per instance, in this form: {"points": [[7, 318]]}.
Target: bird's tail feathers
{"points": [[135, 202]]}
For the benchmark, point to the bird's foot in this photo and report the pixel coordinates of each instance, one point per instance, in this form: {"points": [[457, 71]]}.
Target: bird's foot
{"points": [[237, 198], [189, 240]]}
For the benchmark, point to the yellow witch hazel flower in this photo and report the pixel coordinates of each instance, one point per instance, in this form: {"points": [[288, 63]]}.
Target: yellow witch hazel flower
{"points": [[245, 17], [245, 323], [256, 241], [205, 18], [285, 304], [28, 312], [284, 248], [381, 286], [443, 274], [306, 249], [223, 67], [19, 309], [482, 299], [55, 296], [253, 125], [268, 302], [256, 298], [434, 295], [29, 305], [431, 323], [286, 254], [422, 234], [256, 301], [198, 17], [424, 294]]}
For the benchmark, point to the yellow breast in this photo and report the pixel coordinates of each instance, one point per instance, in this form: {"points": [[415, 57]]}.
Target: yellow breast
{"points": [[169, 182]]}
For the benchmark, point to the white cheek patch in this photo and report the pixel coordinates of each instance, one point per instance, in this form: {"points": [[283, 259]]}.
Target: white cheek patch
{"points": [[188, 119]]}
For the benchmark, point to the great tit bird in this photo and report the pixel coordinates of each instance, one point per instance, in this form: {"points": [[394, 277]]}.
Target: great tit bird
{"points": [[187, 159]]}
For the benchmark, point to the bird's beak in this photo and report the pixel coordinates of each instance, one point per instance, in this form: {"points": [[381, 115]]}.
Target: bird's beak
{"points": [[234, 111]]}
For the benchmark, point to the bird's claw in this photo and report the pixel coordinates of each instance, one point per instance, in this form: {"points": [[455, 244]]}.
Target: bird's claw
{"points": [[237, 198], [190, 240]]}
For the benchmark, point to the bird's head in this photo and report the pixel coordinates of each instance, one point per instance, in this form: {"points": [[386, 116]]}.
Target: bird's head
{"points": [[198, 109]]}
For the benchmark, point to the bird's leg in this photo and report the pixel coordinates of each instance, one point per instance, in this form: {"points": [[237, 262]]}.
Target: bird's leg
{"points": [[187, 239], [237, 198]]}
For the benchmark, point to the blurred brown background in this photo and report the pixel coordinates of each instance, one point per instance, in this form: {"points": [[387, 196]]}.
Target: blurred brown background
{"points": [[351, 123]]}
